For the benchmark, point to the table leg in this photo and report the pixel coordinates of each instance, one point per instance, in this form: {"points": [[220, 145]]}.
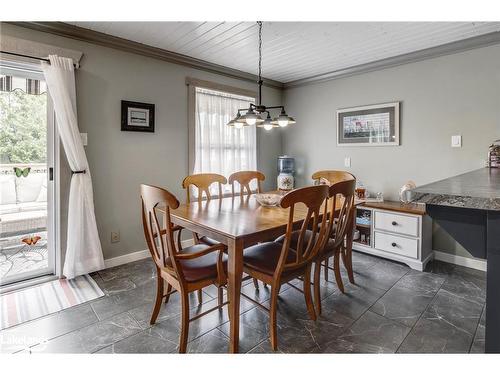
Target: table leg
{"points": [[235, 273], [492, 338], [348, 256]]}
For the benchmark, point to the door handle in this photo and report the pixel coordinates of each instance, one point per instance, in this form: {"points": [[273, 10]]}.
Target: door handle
{"points": [[51, 174]]}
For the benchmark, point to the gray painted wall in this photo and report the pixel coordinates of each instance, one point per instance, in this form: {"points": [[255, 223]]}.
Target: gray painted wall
{"points": [[441, 97], [456, 94], [121, 161]]}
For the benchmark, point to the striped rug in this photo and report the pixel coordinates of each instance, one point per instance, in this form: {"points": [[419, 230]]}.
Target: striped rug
{"points": [[47, 298]]}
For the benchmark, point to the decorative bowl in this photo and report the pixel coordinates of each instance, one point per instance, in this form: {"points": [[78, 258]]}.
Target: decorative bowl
{"points": [[268, 200]]}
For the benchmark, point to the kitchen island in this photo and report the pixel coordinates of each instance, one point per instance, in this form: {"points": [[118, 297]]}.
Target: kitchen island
{"points": [[467, 206]]}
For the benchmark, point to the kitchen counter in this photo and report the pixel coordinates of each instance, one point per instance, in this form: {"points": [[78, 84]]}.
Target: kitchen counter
{"points": [[467, 206], [479, 189]]}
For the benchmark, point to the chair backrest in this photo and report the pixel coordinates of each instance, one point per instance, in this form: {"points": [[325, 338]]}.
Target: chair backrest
{"points": [[158, 228], [341, 210], [315, 198], [333, 176], [203, 181], [244, 178]]}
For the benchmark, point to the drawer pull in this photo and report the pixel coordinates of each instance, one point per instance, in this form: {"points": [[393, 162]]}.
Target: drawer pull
{"points": [[394, 223], [394, 244]]}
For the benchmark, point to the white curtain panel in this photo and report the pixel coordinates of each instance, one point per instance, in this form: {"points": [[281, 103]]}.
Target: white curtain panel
{"points": [[220, 148], [83, 252]]}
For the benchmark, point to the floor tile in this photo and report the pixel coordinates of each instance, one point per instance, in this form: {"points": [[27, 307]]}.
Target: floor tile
{"points": [[142, 342], [43, 329], [211, 342], [421, 281], [343, 346], [454, 311], [373, 329], [91, 338], [436, 336], [440, 268], [403, 305], [466, 286], [383, 276], [356, 300]]}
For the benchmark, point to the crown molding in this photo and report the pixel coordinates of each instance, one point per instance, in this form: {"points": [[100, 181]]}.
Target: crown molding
{"points": [[95, 37], [106, 40], [425, 54]]}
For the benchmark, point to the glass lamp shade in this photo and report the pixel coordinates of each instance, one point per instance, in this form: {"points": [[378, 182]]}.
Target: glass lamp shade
{"points": [[283, 119], [239, 125], [250, 118], [267, 124]]}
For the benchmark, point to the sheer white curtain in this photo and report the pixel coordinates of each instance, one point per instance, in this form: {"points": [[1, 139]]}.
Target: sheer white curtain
{"points": [[220, 148], [83, 252]]}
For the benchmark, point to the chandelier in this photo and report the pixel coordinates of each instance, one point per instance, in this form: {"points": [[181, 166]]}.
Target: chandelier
{"points": [[253, 115]]}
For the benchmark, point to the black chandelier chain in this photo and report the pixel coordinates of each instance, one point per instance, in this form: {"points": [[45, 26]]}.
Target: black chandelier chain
{"points": [[260, 61]]}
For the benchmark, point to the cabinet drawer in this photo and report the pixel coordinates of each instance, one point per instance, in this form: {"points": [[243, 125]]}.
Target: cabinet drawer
{"points": [[397, 223], [396, 244]]}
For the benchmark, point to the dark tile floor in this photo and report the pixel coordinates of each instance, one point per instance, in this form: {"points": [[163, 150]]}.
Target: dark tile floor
{"points": [[390, 309]]}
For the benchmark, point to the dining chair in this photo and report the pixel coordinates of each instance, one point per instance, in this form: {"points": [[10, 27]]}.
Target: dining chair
{"points": [[244, 178], [183, 270], [276, 263], [341, 207], [332, 177], [202, 182]]}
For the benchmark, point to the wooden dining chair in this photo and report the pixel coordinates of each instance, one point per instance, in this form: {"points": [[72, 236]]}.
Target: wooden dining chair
{"points": [[276, 263], [202, 183], [244, 178], [183, 270], [341, 208], [332, 177]]}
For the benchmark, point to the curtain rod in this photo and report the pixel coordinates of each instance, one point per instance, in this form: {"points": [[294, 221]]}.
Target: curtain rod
{"points": [[30, 57]]}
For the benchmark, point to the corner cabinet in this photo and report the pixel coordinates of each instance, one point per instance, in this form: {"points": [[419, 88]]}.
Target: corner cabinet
{"points": [[400, 232]]}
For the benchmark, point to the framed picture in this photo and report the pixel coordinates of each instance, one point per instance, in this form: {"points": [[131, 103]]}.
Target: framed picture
{"points": [[138, 117], [372, 125]]}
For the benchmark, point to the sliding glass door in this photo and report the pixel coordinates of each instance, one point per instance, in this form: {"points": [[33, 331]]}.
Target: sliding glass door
{"points": [[27, 220]]}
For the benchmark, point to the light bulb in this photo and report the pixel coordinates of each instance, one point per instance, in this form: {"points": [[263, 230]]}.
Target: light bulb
{"points": [[238, 125], [282, 123], [268, 126], [251, 121]]}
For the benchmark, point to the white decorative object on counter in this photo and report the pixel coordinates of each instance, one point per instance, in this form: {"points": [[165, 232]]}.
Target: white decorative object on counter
{"points": [[405, 191]]}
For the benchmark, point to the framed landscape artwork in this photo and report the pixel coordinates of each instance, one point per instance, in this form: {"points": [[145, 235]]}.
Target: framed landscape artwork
{"points": [[372, 125], [138, 117]]}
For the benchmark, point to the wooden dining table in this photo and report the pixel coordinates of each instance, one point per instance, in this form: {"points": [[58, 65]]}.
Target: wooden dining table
{"points": [[238, 223]]}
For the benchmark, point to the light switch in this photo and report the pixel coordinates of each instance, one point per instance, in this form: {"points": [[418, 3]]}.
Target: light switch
{"points": [[84, 138], [456, 141], [347, 162]]}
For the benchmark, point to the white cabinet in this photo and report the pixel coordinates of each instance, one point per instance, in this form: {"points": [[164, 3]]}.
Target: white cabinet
{"points": [[394, 231]]}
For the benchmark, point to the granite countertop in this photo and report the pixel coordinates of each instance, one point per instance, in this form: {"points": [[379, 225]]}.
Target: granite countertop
{"points": [[479, 189]]}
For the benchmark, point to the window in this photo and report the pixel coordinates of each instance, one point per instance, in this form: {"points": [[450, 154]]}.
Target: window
{"points": [[220, 148]]}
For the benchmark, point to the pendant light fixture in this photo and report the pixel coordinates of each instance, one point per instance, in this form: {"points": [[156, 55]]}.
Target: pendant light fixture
{"points": [[254, 114]]}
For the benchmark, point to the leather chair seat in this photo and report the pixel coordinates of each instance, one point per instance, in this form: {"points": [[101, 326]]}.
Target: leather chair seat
{"points": [[201, 268], [264, 257], [208, 241]]}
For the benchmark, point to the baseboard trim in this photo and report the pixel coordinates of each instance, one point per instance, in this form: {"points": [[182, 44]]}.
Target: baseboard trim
{"points": [[137, 255], [478, 264]]}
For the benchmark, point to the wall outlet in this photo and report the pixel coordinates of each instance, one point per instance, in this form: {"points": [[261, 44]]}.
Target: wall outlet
{"points": [[456, 141], [115, 237], [347, 161]]}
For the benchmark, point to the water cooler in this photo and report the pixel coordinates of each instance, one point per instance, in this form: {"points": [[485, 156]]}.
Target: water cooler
{"points": [[286, 167]]}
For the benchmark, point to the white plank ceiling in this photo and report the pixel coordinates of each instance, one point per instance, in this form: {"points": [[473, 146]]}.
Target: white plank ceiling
{"points": [[293, 50]]}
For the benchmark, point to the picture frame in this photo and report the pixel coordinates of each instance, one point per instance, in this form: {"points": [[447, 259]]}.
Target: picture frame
{"points": [[138, 117], [371, 125]]}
